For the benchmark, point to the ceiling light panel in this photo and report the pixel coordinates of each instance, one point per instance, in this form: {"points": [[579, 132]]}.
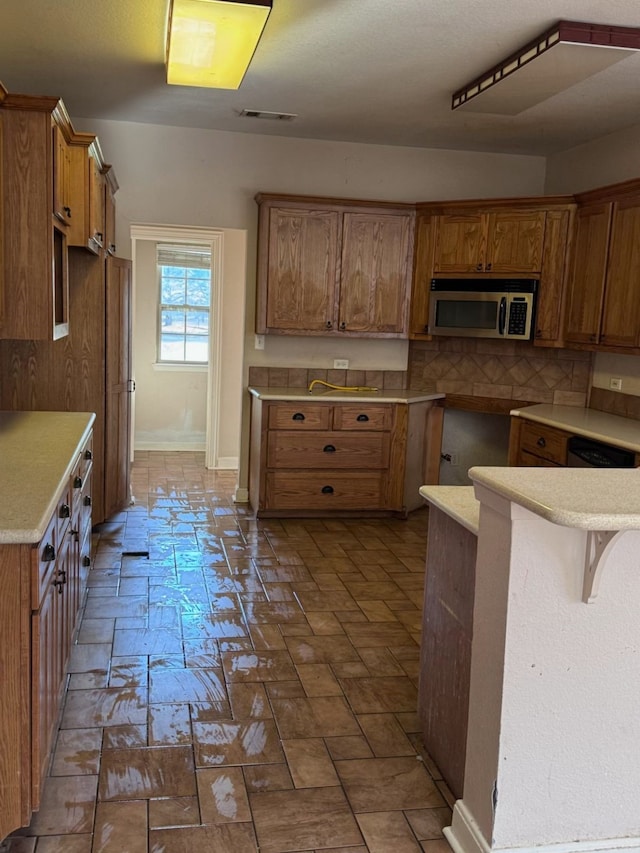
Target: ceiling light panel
{"points": [[211, 42], [564, 55]]}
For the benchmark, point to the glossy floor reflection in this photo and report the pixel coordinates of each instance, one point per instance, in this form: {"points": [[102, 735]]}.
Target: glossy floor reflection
{"points": [[250, 686]]}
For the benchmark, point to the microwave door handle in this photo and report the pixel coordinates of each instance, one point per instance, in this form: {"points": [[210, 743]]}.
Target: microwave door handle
{"points": [[502, 315]]}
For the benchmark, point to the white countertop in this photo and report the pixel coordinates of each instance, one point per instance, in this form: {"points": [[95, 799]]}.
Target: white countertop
{"points": [[459, 502], [601, 426], [586, 498], [37, 452], [331, 396]]}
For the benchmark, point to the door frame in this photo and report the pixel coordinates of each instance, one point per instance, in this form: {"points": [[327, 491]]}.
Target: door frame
{"points": [[214, 238]]}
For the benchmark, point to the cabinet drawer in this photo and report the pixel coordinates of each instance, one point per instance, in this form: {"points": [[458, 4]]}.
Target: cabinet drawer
{"points": [[544, 441], [528, 460], [362, 417], [324, 490], [327, 450], [300, 416]]}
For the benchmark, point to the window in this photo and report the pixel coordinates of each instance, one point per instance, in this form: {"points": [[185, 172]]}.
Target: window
{"points": [[184, 272]]}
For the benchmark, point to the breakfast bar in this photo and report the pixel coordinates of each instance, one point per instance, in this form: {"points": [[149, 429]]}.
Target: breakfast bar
{"points": [[553, 697]]}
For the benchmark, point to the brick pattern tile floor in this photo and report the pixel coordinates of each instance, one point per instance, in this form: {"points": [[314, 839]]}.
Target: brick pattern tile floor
{"points": [[251, 685]]}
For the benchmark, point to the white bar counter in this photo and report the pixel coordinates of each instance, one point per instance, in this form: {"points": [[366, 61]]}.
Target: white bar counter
{"points": [[553, 744]]}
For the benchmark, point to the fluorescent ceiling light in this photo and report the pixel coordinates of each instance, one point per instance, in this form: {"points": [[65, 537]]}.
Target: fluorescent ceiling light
{"points": [[211, 42], [564, 55]]}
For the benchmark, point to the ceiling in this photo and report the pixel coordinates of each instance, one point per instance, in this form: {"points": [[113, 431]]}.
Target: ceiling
{"points": [[374, 71]]}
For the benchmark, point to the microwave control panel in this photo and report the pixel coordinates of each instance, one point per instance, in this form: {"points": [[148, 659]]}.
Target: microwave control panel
{"points": [[517, 316]]}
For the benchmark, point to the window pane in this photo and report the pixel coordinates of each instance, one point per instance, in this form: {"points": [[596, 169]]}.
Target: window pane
{"points": [[197, 348], [173, 322], [171, 347], [198, 323], [198, 290], [172, 291]]}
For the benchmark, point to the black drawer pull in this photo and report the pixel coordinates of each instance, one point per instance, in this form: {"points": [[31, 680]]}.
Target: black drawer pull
{"points": [[541, 442], [328, 448], [329, 324], [88, 454], [343, 326], [48, 553], [87, 500], [77, 483], [327, 490], [65, 511], [86, 561], [298, 417], [362, 418]]}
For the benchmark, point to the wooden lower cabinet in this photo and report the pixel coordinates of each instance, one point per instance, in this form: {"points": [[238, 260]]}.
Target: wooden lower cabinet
{"points": [[44, 586], [536, 445], [325, 458], [445, 649]]}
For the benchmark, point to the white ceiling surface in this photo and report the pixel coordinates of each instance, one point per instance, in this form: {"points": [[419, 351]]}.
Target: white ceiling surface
{"points": [[374, 71]]}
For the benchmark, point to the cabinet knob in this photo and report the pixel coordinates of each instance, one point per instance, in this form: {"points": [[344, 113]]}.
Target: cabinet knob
{"points": [[329, 324], [65, 511], [77, 482], [48, 553], [479, 267], [362, 418], [87, 500], [88, 454], [343, 326], [541, 442], [488, 267], [112, 248], [60, 579], [98, 236], [86, 561], [67, 210], [593, 338], [297, 417], [328, 448], [327, 490], [538, 333]]}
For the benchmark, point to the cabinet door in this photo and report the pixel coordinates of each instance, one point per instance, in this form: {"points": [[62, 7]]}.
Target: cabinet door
{"points": [[61, 166], [374, 282], [621, 317], [460, 242], [586, 286], [118, 385], [515, 240], [552, 279], [301, 277], [96, 203], [422, 273]]}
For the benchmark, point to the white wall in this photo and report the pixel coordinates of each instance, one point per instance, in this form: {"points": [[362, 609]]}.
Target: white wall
{"points": [[607, 160], [208, 178]]}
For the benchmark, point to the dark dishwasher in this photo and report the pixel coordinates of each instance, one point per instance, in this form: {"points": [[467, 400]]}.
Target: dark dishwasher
{"points": [[586, 453]]}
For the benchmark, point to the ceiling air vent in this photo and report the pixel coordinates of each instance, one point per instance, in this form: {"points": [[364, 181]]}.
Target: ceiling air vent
{"points": [[268, 115]]}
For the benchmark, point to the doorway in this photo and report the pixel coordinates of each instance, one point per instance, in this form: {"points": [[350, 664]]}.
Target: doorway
{"points": [[179, 406]]}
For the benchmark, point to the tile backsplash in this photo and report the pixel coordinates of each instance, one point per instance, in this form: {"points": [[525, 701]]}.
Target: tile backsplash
{"points": [[300, 377], [502, 369]]}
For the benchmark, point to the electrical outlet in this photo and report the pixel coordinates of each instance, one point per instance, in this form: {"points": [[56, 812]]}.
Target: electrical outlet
{"points": [[615, 383], [259, 342], [341, 364]]}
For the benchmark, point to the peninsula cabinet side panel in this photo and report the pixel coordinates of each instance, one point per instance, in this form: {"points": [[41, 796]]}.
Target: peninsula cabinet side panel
{"points": [[15, 702]]}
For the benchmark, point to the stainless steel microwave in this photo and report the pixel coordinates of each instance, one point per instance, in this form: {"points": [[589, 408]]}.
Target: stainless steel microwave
{"points": [[483, 308]]}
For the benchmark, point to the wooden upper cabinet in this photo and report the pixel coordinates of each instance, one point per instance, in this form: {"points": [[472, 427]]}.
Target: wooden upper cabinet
{"points": [[507, 241], [34, 284], [459, 243], [621, 313], [588, 272], [87, 193], [330, 267], [110, 189], [422, 273], [374, 283], [515, 241], [61, 166], [301, 259], [548, 318]]}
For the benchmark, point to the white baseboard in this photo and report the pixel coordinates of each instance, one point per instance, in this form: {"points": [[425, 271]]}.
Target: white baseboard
{"points": [[464, 836], [241, 496], [226, 463], [169, 445]]}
